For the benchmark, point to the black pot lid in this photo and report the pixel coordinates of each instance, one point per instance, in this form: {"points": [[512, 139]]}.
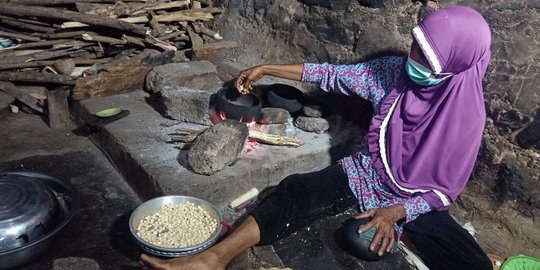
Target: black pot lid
{"points": [[28, 210]]}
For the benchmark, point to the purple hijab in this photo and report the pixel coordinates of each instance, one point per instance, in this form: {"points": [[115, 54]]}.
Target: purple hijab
{"points": [[425, 139]]}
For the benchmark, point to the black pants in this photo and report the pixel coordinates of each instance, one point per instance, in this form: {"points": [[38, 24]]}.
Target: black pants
{"points": [[302, 198]]}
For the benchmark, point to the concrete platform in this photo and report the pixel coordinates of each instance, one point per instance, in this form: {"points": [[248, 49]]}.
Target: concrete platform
{"points": [[137, 146]]}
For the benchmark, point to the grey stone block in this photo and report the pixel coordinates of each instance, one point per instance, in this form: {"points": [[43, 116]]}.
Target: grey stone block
{"points": [[228, 71], [312, 110], [271, 115], [200, 75], [185, 104], [312, 124], [219, 146]]}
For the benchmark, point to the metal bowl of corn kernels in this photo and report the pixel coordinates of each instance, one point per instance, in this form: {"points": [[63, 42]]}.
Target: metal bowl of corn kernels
{"points": [[175, 225]]}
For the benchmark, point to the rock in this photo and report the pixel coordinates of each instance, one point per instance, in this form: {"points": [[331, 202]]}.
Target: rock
{"points": [[322, 3], [180, 56], [217, 147], [64, 66], [312, 124], [200, 75], [276, 129], [185, 104], [13, 108], [530, 136], [508, 121], [75, 263], [372, 3], [5, 100], [312, 110], [153, 58], [515, 180], [534, 200], [272, 115], [228, 71]]}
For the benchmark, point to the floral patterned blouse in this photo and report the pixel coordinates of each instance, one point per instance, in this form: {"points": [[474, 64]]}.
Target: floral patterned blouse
{"points": [[371, 80]]}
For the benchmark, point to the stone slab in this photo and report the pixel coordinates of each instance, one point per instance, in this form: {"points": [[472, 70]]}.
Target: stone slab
{"points": [[199, 75], [185, 104]]}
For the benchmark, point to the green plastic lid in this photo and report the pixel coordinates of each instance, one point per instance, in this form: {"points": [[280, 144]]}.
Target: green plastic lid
{"points": [[521, 262], [109, 112]]}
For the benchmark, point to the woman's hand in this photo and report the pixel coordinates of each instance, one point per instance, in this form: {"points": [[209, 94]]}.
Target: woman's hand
{"points": [[383, 219], [246, 78]]}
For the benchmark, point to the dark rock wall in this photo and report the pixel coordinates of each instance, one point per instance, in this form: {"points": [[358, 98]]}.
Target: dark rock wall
{"points": [[506, 181]]}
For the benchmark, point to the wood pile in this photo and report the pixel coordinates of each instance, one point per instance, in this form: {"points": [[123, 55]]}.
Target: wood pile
{"points": [[50, 44]]}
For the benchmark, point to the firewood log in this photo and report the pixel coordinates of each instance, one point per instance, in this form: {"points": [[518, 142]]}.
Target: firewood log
{"points": [[119, 78], [41, 77], [173, 17], [67, 15], [21, 95], [19, 36], [274, 139], [61, 2], [58, 107], [23, 25], [44, 55]]}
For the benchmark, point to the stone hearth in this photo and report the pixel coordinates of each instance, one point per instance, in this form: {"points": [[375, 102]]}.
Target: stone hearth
{"points": [[137, 146]]}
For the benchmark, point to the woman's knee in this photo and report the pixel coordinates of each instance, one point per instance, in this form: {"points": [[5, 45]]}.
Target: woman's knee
{"points": [[291, 184], [483, 263]]}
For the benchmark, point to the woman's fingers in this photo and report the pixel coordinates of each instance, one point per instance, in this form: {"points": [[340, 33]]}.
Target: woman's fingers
{"points": [[247, 77], [380, 235], [391, 244], [384, 244], [240, 81], [368, 213], [366, 227]]}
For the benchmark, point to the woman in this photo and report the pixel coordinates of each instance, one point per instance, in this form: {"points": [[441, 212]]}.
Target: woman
{"points": [[416, 158]]}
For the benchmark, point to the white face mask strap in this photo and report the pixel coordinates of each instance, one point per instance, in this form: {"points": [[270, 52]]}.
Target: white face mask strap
{"points": [[446, 75]]}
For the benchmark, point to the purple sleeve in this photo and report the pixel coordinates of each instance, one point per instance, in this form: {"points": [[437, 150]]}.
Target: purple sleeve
{"points": [[371, 80], [434, 201], [414, 207]]}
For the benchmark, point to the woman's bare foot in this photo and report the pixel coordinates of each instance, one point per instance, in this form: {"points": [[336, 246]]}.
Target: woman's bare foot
{"points": [[206, 260]]}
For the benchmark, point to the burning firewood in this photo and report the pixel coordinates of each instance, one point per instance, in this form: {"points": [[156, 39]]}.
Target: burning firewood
{"points": [[274, 139]]}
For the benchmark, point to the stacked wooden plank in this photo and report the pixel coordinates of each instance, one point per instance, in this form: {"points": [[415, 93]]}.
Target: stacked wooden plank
{"points": [[54, 43]]}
